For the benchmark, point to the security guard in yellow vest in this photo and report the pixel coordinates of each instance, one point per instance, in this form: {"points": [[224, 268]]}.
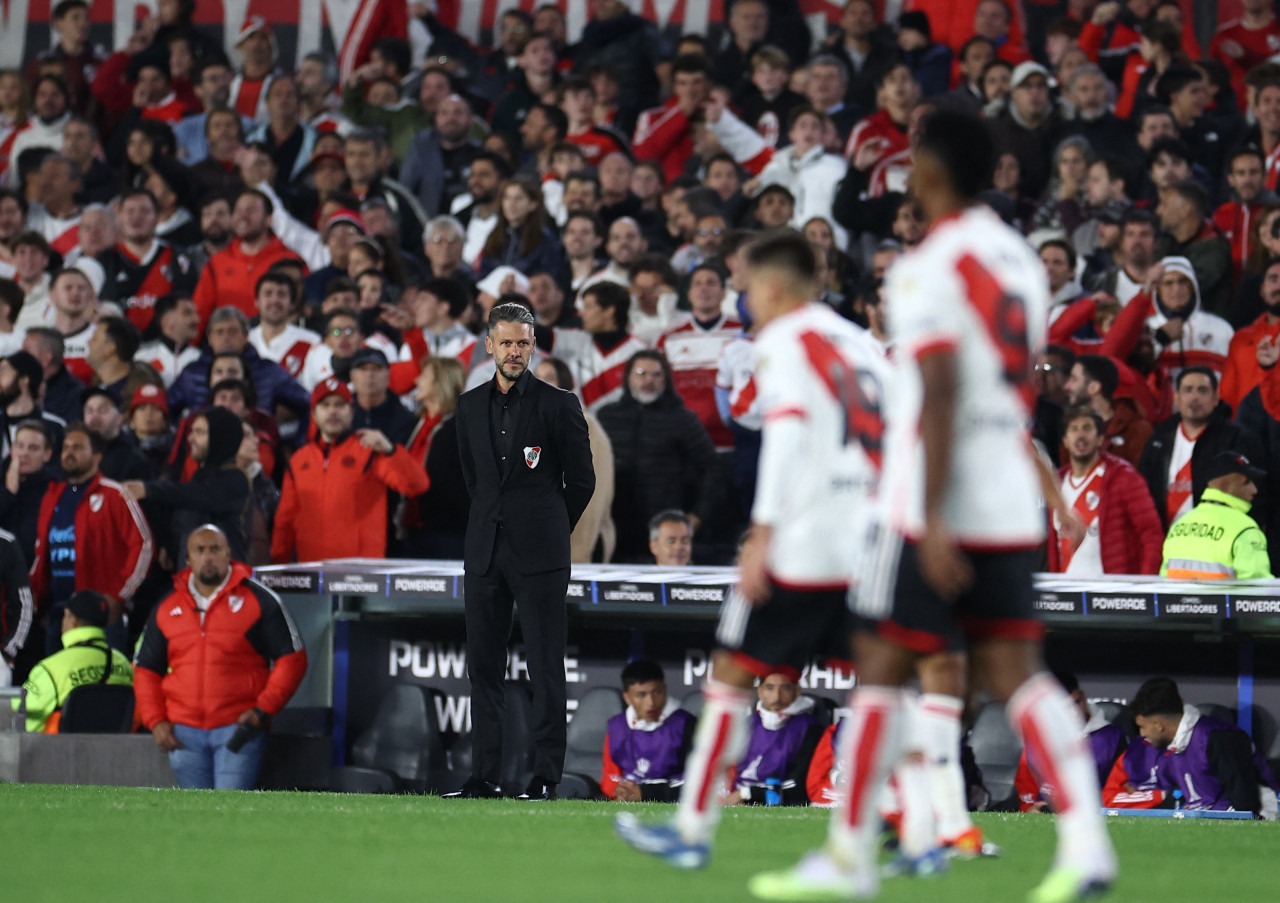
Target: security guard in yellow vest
{"points": [[1217, 539], [85, 659]]}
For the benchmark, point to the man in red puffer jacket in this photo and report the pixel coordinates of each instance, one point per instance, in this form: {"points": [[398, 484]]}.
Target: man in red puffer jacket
{"points": [[218, 658], [1122, 532]]}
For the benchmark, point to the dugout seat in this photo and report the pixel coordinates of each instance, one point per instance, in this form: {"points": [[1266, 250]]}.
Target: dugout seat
{"points": [[692, 703], [586, 743], [98, 709], [996, 751], [401, 752], [824, 709]]}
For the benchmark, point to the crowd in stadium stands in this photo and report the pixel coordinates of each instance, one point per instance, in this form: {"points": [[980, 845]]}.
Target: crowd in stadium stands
{"points": [[240, 294]]}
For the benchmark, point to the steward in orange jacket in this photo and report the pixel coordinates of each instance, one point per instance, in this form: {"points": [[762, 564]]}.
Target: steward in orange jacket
{"points": [[334, 500]]}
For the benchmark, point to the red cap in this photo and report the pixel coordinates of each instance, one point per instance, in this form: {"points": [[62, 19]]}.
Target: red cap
{"points": [[346, 215], [252, 25], [149, 393], [331, 386]]}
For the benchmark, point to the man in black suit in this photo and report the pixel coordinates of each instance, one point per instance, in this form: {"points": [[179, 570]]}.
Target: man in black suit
{"points": [[526, 461]]}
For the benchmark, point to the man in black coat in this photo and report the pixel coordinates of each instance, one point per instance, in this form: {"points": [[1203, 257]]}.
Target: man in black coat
{"points": [[1205, 422], [526, 461]]}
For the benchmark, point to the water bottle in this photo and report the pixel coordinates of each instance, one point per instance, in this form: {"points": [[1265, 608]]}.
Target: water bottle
{"points": [[773, 792], [1177, 800]]}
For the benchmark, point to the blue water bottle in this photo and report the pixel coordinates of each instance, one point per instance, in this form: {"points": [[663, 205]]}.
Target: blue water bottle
{"points": [[773, 792], [1177, 800]]}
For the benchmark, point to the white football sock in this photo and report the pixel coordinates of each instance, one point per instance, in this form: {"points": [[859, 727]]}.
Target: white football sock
{"points": [[720, 741]]}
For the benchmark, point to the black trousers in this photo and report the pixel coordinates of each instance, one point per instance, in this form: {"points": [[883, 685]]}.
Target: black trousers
{"points": [[540, 600]]}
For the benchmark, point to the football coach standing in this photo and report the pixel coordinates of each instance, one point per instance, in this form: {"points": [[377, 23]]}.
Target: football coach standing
{"points": [[526, 461]]}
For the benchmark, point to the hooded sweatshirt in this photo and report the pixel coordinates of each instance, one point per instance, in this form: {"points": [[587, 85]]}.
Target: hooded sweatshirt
{"points": [[1206, 338], [218, 493]]}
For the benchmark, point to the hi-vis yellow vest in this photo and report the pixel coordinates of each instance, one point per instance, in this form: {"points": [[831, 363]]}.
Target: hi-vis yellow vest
{"points": [[1216, 540]]}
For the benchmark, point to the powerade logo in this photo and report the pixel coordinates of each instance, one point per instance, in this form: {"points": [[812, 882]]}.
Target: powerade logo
{"points": [[422, 586], [304, 583], [686, 595], [1122, 605], [1248, 606]]}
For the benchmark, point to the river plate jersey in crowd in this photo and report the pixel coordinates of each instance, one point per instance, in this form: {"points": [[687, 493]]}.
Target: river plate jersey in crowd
{"points": [[973, 287], [821, 381]]}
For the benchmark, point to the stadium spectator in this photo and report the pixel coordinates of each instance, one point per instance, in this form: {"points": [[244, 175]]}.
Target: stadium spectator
{"points": [[664, 458], [665, 133], [84, 659], [276, 337], [232, 273], [435, 163], [1217, 539], [20, 382], [367, 463], [148, 419], [435, 522], [229, 332], [671, 538], [1136, 259], [1184, 329], [1122, 533], [630, 47], [27, 474], [90, 535], [1107, 742], [142, 268], [167, 342], [50, 106], [1246, 175], [1093, 381], [224, 664], [1254, 350], [365, 157], [374, 406], [217, 493], [1183, 210], [1175, 462], [110, 354], [1030, 128], [121, 460], [645, 746], [17, 608], [1211, 761]]}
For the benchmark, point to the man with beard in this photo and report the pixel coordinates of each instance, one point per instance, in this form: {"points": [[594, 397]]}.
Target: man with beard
{"points": [[213, 88], [215, 231], [173, 329], [217, 620], [121, 459], [276, 338], [1137, 257], [435, 163], [90, 535], [50, 105], [364, 155], [142, 268], [1122, 532], [20, 379], [218, 493], [1093, 381], [526, 461], [1255, 348], [341, 477], [27, 473], [232, 273], [624, 244], [488, 172]]}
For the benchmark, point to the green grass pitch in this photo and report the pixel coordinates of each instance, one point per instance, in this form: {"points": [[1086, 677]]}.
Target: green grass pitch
{"points": [[157, 846]]}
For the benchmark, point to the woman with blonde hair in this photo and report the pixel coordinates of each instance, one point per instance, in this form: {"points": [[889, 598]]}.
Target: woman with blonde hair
{"points": [[434, 525]]}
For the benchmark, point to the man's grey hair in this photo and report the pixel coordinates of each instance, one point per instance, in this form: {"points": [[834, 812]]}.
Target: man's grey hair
{"points": [[51, 342], [1082, 70], [448, 224], [224, 314], [830, 59], [510, 313], [670, 516]]}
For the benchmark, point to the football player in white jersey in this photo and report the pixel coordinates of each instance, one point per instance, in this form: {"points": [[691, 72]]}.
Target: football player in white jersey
{"points": [[964, 309], [820, 381]]}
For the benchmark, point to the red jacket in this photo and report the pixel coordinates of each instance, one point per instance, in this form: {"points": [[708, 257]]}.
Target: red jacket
{"points": [[113, 542], [1235, 221], [344, 484], [231, 277], [1129, 529], [246, 654], [1116, 344], [664, 134], [1242, 371]]}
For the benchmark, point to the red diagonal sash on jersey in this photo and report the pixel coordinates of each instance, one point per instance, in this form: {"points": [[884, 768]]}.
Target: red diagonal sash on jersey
{"points": [[1086, 508], [1005, 317], [855, 391], [1179, 491]]}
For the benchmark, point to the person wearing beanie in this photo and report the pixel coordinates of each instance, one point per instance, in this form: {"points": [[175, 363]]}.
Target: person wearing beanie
{"points": [[929, 61], [342, 476], [218, 493], [84, 658]]}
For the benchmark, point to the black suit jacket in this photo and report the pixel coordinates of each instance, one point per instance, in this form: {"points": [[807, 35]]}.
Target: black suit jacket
{"points": [[545, 486]]}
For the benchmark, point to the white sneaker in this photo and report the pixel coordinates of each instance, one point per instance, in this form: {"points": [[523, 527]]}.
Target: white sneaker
{"points": [[816, 878]]}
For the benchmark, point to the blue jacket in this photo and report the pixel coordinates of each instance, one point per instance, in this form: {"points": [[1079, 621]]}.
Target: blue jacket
{"points": [[272, 383]]}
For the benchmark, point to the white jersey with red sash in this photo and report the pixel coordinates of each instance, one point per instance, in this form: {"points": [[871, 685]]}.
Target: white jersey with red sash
{"points": [[76, 353], [694, 354], [1178, 499], [1084, 495], [456, 342], [288, 349], [598, 370], [973, 288]]}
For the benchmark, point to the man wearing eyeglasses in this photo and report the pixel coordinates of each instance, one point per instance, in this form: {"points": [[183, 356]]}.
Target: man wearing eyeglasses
{"points": [[707, 236]]}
